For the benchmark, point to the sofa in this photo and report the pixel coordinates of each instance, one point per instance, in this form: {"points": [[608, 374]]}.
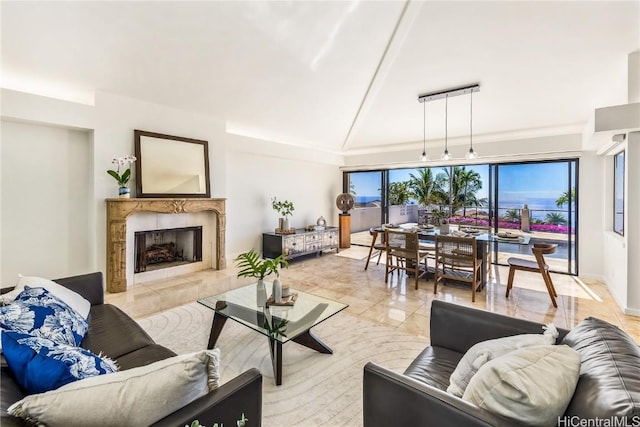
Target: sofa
{"points": [[114, 334], [608, 385]]}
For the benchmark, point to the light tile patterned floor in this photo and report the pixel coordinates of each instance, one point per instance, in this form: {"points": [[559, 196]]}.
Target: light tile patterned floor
{"points": [[342, 277]]}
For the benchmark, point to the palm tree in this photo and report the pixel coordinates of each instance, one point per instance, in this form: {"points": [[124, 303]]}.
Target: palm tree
{"points": [[459, 189], [399, 193], [555, 218], [423, 186], [512, 215], [564, 198], [468, 183]]}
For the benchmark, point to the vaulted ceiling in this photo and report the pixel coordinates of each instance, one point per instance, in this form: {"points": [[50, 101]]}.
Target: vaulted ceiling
{"points": [[340, 76]]}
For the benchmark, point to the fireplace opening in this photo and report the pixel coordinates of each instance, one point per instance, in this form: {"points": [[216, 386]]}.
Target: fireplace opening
{"points": [[157, 249]]}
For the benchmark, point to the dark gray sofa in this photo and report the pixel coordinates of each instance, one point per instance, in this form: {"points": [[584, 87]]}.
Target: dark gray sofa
{"points": [[609, 384], [114, 334]]}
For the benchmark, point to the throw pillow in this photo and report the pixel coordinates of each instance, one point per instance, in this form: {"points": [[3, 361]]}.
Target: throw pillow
{"points": [[71, 298], [37, 312], [532, 386], [40, 365], [141, 395], [485, 351]]}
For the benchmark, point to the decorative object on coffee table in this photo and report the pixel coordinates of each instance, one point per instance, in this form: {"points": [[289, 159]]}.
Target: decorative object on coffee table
{"points": [[284, 208], [123, 180], [288, 301], [251, 265]]}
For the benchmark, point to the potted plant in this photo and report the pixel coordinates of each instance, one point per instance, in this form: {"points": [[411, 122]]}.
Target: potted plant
{"points": [[284, 208], [122, 179], [252, 265]]}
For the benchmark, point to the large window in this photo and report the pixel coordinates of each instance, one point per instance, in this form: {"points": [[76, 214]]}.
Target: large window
{"points": [[537, 198], [618, 193]]}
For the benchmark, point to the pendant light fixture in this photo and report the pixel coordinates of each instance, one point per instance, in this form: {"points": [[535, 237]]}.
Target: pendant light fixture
{"points": [[424, 156], [433, 96], [471, 155], [445, 155]]}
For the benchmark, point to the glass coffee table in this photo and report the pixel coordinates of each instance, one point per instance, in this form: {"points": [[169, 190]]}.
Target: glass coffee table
{"points": [[279, 323]]}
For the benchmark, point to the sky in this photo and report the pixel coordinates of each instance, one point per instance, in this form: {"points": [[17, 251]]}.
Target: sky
{"points": [[518, 182]]}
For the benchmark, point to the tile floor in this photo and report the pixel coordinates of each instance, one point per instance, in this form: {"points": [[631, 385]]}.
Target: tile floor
{"points": [[342, 277]]}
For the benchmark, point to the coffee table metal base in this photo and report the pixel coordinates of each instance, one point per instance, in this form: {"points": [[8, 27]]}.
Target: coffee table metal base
{"points": [[306, 339]]}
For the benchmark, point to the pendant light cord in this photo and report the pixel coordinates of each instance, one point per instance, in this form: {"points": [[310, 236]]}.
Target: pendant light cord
{"points": [[471, 123], [446, 128], [424, 128]]}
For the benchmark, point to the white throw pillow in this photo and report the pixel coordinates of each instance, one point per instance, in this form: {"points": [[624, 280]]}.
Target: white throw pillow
{"points": [[71, 298], [135, 397], [485, 351], [532, 386]]}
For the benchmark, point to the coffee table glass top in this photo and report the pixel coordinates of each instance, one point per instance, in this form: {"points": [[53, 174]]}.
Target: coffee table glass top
{"points": [[246, 305]]}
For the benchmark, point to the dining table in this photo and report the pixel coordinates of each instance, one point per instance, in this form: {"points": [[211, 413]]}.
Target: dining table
{"points": [[483, 239]]}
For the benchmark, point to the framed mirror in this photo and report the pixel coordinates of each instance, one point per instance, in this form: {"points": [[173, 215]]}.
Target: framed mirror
{"points": [[171, 166]]}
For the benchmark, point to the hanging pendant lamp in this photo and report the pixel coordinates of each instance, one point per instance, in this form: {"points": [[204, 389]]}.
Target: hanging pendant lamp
{"points": [[471, 155], [424, 156], [445, 155]]}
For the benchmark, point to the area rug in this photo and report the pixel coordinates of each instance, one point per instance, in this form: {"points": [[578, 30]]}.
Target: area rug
{"points": [[317, 389]]}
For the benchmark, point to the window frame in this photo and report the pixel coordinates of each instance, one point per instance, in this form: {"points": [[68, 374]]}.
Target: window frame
{"points": [[616, 170]]}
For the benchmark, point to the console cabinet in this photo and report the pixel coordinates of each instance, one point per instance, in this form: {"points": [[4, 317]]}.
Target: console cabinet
{"points": [[298, 244]]}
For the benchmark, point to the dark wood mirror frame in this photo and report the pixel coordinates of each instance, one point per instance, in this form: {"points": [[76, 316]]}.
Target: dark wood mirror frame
{"points": [[142, 147]]}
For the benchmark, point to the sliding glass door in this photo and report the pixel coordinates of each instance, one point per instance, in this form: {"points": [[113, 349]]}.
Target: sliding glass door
{"points": [[538, 198]]}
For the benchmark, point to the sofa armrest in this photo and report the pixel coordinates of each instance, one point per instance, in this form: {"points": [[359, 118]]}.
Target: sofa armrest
{"points": [[393, 399], [226, 404], [457, 328], [90, 286]]}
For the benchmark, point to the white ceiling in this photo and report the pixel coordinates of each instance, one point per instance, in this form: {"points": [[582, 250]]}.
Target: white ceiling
{"points": [[341, 76]]}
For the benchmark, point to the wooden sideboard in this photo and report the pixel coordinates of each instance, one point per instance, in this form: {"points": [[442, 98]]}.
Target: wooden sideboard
{"points": [[298, 244]]}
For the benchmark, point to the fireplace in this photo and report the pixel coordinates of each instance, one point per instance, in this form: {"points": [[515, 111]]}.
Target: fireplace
{"points": [[121, 212], [157, 249]]}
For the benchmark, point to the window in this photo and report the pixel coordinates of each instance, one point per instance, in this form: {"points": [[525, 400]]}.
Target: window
{"points": [[618, 193]]}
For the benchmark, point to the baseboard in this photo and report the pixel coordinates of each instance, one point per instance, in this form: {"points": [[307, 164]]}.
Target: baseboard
{"points": [[623, 307], [632, 311]]}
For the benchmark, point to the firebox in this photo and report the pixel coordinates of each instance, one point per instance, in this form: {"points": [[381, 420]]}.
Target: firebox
{"points": [[156, 249]]}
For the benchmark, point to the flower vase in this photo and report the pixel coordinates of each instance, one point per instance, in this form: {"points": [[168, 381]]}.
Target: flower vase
{"points": [[124, 192], [277, 291], [261, 293], [284, 224]]}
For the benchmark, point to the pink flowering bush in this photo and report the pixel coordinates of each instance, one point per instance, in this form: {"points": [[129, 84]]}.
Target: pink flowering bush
{"points": [[547, 228]]}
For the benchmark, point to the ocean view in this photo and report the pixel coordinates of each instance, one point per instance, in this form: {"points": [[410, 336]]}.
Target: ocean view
{"points": [[538, 206]]}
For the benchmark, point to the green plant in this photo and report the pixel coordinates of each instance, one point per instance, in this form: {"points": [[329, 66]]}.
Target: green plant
{"points": [[240, 423], [123, 179], [251, 265], [284, 208]]}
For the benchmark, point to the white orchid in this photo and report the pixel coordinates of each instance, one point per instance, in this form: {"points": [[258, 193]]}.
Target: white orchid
{"points": [[126, 175]]}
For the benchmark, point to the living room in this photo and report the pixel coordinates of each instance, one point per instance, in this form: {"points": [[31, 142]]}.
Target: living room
{"points": [[290, 97]]}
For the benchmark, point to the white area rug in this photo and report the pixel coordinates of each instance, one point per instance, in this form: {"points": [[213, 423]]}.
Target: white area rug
{"points": [[317, 389]]}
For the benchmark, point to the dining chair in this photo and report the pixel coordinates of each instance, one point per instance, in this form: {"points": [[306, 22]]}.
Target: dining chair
{"points": [[404, 246], [538, 266], [482, 229], [380, 247], [457, 259]]}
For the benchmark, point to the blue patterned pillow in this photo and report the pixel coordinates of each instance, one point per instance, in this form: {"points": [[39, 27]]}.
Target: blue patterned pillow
{"points": [[40, 365], [37, 312]]}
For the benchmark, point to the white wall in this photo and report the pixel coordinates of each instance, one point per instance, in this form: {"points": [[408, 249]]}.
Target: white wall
{"points": [[246, 171], [621, 267], [46, 187], [312, 187]]}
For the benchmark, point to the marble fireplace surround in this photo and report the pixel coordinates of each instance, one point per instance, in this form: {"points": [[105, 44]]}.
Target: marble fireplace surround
{"points": [[118, 210]]}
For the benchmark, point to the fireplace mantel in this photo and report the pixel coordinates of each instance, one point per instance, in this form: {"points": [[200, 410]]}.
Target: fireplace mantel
{"points": [[118, 210]]}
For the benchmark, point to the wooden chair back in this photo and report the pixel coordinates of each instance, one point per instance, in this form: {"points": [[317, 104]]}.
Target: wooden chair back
{"points": [[457, 259]]}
